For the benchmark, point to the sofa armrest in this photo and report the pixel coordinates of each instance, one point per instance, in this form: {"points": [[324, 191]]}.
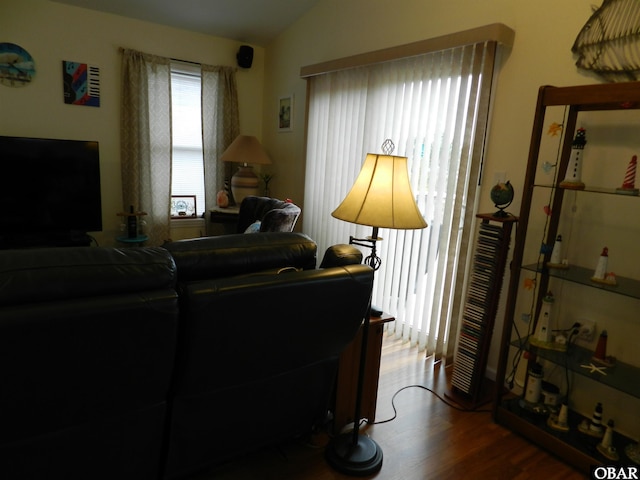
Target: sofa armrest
{"points": [[237, 254], [340, 255]]}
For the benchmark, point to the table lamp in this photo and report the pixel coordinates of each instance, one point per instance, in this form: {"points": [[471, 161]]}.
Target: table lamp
{"points": [[381, 197], [245, 149]]}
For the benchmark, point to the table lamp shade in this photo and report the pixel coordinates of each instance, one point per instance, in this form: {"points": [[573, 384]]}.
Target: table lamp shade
{"points": [[245, 149], [381, 196]]}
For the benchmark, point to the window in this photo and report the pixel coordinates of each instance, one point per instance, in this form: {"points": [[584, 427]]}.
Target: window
{"points": [[187, 176], [434, 108]]}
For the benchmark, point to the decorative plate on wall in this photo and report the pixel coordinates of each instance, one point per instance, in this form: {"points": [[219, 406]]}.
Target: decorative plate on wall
{"points": [[17, 67]]}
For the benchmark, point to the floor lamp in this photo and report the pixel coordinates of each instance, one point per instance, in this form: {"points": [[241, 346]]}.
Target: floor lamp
{"points": [[381, 197]]}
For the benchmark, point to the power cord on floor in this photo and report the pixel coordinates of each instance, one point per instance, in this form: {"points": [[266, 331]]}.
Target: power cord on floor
{"points": [[452, 405]]}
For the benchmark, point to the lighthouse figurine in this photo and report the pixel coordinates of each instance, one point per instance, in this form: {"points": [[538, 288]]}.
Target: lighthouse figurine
{"points": [[556, 260], [628, 186], [606, 447], [573, 178], [600, 275]]}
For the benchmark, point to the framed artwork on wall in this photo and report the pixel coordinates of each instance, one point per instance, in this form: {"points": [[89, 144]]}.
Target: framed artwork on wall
{"points": [[285, 113], [81, 84]]}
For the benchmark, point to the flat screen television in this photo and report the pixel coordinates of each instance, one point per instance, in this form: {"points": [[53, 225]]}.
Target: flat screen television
{"points": [[49, 191]]}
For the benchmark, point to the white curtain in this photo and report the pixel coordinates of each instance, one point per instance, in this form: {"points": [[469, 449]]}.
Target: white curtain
{"points": [[434, 108]]}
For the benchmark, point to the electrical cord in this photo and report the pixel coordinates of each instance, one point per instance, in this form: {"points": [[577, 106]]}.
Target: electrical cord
{"points": [[452, 405]]}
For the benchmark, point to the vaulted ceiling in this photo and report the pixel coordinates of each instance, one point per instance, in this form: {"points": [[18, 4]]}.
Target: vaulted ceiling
{"points": [[252, 21]]}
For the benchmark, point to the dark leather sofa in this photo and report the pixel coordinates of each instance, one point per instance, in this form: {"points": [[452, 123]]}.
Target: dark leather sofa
{"points": [[154, 363]]}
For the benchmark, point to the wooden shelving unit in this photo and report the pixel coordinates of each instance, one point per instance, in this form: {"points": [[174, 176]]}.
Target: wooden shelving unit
{"points": [[593, 222]]}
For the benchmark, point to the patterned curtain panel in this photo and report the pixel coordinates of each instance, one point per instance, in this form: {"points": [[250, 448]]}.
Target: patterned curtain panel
{"points": [[146, 135], [220, 126], [434, 107], [146, 140]]}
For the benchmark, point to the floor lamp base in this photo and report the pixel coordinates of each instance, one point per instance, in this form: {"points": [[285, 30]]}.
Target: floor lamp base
{"points": [[362, 459]]}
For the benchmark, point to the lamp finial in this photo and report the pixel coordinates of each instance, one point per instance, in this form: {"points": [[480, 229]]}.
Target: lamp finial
{"points": [[388, 146]]}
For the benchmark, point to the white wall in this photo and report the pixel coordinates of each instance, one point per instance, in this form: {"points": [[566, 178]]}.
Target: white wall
{"points": [[541, 55], [53, 32]]}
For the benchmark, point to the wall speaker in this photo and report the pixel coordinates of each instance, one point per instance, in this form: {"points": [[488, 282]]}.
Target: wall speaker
{"points": [[245, 56]]}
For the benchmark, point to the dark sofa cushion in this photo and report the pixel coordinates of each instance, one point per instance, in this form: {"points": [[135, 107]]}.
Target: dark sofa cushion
{"points": [[45, 274]]}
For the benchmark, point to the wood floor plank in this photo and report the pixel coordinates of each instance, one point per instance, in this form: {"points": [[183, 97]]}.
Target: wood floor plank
{"points": [[427, 439]]}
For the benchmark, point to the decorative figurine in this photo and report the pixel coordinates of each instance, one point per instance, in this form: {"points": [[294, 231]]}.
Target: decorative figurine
{"points": [[543, 329], [556, 260], [600, 356], [222, 199], [601, 275], [593, 428], [606, 447], [573, 178], [560, 421], [534, 384], [628, 186]]}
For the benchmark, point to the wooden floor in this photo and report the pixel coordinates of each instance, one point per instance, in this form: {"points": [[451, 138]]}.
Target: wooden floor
{"points": [[427, 440]]}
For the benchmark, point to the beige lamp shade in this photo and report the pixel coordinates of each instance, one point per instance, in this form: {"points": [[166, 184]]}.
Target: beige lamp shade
{"points": [[381, 196], [245, 149]]}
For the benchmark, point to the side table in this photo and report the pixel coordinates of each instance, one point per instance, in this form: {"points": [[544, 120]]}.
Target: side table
{"points": [[347, 381], [226, 218], [135, 241]]}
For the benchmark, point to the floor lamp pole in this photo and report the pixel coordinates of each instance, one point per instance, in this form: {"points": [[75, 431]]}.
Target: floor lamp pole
{"points": [[353, 453]]}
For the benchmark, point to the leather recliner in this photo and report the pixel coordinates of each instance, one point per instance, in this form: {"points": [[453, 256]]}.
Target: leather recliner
{"points": [[274, 215], [261, 344]]}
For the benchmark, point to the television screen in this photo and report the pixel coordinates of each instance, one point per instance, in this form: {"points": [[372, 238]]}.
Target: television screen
{"points": [[49, 187]]}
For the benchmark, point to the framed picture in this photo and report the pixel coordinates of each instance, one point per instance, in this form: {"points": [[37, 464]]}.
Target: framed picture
{"points": [[183, 206], [285, 113]]}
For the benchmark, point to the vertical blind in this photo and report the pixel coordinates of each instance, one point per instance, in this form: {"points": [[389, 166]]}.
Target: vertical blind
{"points": [[434, 107]]}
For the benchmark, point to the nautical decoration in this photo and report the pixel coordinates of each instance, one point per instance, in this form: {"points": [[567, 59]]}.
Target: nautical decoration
{"points": [[560, 421], [543, 329], [573, 178], [600, 355], [600, 275], [534, 384], [628, 186], [606, 447], [556, 260], [594, 427], [609, 44]]}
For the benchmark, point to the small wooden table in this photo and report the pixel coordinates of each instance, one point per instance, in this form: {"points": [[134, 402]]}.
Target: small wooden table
{"points": [[348, 369], [225, 218]]}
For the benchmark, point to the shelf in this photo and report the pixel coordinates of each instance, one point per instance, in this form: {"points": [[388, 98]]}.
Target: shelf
{"points": [[625, 286], [621, 376], [600, 214], [590, 189], [575, 447]]}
